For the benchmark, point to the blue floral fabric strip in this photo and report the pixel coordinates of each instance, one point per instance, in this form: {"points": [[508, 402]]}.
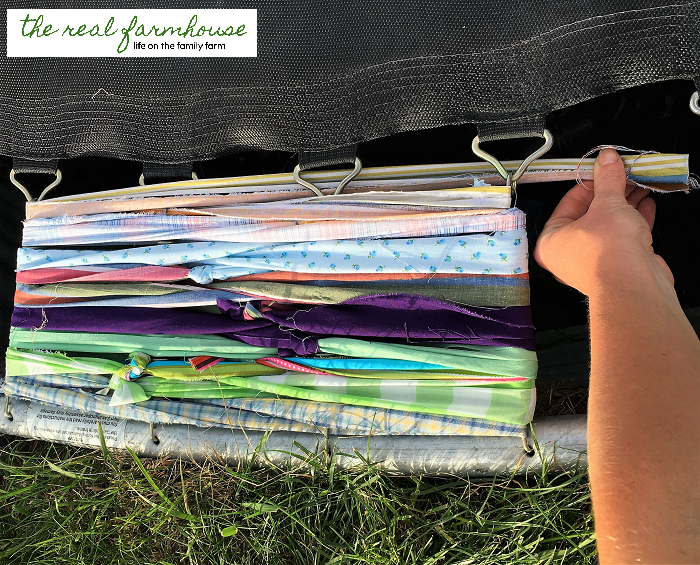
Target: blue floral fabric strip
{"points": [[500, 253]]}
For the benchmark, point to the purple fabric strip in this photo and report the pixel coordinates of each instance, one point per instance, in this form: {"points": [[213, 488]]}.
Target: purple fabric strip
{"points": [[395, 318]]}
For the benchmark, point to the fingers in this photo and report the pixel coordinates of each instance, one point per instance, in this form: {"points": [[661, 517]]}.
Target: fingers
{"points": [[647, 208], [574, 205], [609, 180], [640, 200], [538, 251], [637, 195], [630, 188]]}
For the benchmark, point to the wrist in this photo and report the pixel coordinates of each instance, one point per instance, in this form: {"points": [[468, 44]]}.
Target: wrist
{"points": [[628, 276]]}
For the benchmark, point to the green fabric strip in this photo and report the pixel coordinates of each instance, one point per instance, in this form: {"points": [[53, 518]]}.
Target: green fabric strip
{"points": [[508, 403], [178, 346], [474, 295], [309, 381], [478, 359], [24, 363], [266, 414], [503, 405], [84, 290], [216, 372]]}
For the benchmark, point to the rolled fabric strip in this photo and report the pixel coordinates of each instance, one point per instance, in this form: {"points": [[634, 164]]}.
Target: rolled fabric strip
{"points": [[474, 295], [203, 362], [398, 317], [286, 365], [132, 228], [23, 363], [154, 345], [205, 297], [102, 274], [248, 413], [177, 379], [91, 290], [120, 294], [481, 359], [331, 279], [514, 406], [354, 364], [501, 253]]}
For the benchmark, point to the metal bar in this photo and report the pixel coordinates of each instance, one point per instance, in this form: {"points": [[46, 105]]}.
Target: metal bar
{"points": [[560, 444]]}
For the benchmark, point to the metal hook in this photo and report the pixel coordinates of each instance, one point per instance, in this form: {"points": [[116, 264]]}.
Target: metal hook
{"points": [[695, 103], [341, 185], [529, 450], [513, 193], [154, 437], [548, 141], [8, 414], [142, 179], [327, 446], [27, 195]]}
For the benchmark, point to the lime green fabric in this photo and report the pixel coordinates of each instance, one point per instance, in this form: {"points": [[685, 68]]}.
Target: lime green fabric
{"points": [[477, 359], [177, 346]]}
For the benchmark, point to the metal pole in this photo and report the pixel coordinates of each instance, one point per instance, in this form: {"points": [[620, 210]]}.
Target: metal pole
{"points": [[560, 444]]}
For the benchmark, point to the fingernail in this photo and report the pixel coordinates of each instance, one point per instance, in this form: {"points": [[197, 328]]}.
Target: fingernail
{"points": [[608, 157]]}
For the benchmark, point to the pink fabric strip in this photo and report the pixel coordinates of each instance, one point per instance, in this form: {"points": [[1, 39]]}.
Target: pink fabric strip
{"points": [[319, 212], [136, 274], [277, 363]]}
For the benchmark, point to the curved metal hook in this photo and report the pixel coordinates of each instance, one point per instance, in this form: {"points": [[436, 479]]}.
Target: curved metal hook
{"points": [[548, 141], [27, 195], [341, 185], [154, 437], [8, 414], [695, 103]]}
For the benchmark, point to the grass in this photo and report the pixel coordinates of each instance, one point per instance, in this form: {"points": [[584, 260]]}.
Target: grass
{"points": [[60, 504]]}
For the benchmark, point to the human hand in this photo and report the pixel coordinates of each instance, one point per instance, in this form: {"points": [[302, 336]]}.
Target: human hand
{"points": [[601, 236]]}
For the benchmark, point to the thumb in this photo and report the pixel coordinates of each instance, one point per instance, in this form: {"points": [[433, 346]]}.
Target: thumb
{"points": [[609, 179]]}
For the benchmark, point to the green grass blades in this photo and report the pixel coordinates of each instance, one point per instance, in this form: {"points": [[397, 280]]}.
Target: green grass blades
{"points": [[61, 504]]}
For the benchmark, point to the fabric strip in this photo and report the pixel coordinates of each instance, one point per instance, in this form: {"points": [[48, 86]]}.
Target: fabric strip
{"points": [[261, 414]]}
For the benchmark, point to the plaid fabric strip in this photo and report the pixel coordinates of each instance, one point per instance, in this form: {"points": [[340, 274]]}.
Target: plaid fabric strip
{"points": [[155, 411], [364, 420]]}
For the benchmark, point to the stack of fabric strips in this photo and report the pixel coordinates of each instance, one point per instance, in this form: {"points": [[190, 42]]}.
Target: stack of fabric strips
{"points": [[357, 316]]}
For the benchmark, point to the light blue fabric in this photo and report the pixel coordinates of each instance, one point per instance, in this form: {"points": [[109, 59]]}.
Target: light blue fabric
{"points": [[674, 179], [499, 253]]}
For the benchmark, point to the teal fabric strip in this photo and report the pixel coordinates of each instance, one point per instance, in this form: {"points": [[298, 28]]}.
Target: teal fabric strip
{"points": [[480, 359], [366, 364]]}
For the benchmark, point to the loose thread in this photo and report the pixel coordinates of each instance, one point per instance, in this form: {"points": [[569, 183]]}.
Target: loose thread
{"points": [[579, 180]]}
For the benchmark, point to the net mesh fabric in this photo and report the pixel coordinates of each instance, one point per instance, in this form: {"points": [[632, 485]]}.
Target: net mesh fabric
{"points": [[331, 75]]}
